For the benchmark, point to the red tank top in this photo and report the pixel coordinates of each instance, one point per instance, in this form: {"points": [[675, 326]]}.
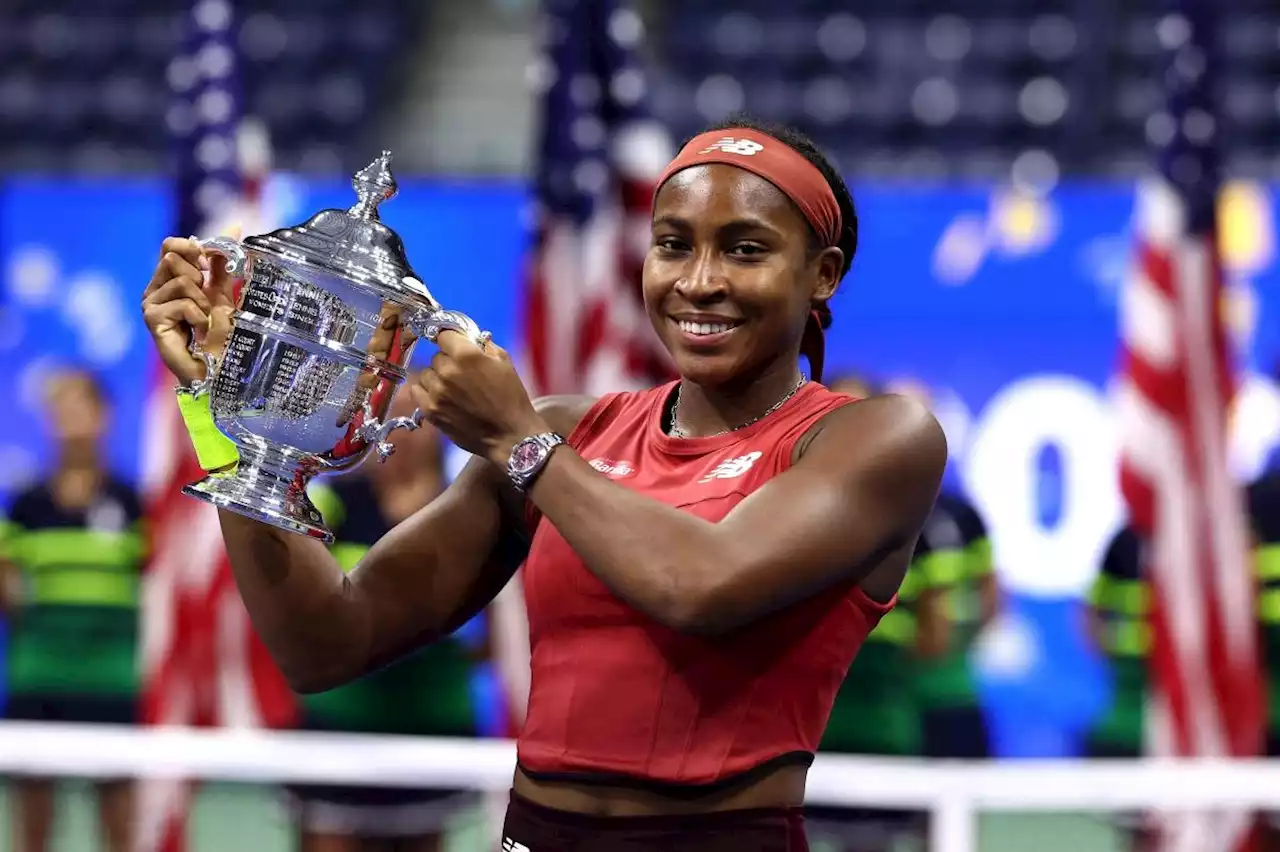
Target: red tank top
{"points": [[616, 694]]}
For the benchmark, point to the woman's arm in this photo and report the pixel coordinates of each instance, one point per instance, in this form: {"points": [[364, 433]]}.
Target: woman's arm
{"points": [[324, 627], [861, 492], [424, 579]]}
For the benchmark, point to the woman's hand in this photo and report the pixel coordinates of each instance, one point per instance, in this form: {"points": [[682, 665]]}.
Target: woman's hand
{"points": [[180, 303], [476, 398]]}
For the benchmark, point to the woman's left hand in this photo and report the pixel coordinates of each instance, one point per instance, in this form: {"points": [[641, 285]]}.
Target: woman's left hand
{"points": [[476, 398]]}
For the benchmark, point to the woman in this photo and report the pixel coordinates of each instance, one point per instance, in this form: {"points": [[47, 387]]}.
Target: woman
{"points": [[72, 552], [701, 560], [428, 694]]}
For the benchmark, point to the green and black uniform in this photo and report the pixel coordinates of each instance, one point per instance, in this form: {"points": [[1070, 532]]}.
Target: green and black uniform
{"points": [[426, 694], [73, 646], [1121, 600], [1264, 517], [952, 720], [877, 710]]}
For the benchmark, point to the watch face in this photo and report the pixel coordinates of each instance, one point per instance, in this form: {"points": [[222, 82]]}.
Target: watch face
{"points": [[526, 455]]}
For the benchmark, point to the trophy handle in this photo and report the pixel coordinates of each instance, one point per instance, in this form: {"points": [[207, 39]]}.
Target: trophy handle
{"points": [[237, 260], [376, 432], [231, 251], [429, 324]]}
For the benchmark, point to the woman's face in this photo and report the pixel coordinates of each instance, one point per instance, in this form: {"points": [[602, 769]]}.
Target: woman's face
{"points": [[729, 279]]}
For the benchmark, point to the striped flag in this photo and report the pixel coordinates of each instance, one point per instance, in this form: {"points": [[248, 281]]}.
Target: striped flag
{"points": [[1176, 388], [599, 155], [202, 664]]}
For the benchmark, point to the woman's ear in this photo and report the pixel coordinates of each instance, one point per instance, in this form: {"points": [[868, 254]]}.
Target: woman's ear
{"points": [[830, 261]]}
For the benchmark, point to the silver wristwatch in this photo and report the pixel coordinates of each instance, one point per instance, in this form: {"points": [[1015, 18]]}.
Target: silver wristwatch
{"points": [[529, 457]]}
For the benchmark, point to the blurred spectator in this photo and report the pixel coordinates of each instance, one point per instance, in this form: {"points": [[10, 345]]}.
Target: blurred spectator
{"points": [[1264, 517], [73, 552], [953, 723], [1119, 606], [876, 711], [427, 694]]}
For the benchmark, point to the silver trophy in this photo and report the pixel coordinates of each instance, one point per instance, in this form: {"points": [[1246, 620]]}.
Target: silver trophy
{"points": [[327, 316]]}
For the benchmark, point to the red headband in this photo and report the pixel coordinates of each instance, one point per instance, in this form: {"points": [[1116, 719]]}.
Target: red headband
{"points": [[776, 162]]}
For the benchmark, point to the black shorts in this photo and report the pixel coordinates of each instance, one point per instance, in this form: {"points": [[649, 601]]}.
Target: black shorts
{"points": [[80, 709], [376, 811], [864, 828], [534, 828], [385, 812]]}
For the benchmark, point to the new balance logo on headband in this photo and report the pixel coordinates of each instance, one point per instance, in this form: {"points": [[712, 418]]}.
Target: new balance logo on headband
{"points": [[745, 147]]}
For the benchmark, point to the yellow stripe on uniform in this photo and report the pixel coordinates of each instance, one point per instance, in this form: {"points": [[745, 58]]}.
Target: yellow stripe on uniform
{"points": [[897, 627], [1128, 638], [941, 568], [348, 555], [1269, 606], [329, 504], [1267, 562], [9, 533], [84, 587], [1124, 597], [66, 547], [981, 560]]}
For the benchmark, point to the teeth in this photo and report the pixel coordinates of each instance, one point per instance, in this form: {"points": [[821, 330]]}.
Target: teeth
{"points": [[704, 327]]}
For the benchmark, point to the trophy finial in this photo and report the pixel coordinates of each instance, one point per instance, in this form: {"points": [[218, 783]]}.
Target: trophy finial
{"points": [[373, 184]]}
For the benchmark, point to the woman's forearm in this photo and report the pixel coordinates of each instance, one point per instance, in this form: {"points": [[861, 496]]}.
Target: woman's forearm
{"points": [[301, 603]]}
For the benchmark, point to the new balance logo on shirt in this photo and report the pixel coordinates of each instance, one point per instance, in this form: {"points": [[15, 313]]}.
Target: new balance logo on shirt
{"points": [[732, 468], [509, 845], [729, 145]]}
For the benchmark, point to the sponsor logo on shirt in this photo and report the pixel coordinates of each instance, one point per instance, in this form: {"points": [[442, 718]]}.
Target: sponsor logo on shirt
{"points": [[613, 469], [732, 468], [509, 845]]}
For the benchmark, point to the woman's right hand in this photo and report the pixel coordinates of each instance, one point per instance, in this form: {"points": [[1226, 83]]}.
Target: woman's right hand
{"points": [[179, 304]]}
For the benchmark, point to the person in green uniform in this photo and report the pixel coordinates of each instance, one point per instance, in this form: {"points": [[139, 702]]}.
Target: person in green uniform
{"points": [[1264, 520], [1119, 607], [952, 721], [427, 694], [72, 551], [876, 711]]}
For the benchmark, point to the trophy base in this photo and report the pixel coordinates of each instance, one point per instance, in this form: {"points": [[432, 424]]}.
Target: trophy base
{"points": [[256, 491]]}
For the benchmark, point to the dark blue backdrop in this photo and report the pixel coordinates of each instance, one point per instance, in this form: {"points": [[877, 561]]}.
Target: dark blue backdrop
{"points": [[1004, 305]]}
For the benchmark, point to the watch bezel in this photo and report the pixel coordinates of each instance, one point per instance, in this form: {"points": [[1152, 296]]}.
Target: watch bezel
{"points": [[521, 477]]}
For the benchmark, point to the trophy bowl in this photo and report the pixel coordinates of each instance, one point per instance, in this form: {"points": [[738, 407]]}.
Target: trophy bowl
{"points": [[327, 317]]}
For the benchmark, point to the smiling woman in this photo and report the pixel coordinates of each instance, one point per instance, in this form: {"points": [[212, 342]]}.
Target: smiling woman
{"points": [[702, 560]]}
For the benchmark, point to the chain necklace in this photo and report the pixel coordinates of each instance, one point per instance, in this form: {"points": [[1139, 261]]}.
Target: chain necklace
{"points": [[677, 432]]}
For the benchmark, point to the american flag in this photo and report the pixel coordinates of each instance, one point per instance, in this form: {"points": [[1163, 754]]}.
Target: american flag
{"points": [[202, 664], [1177, 386], [599, 154]]}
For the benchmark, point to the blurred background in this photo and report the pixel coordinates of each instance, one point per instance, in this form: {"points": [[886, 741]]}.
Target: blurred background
{"points": [[996, 150]]}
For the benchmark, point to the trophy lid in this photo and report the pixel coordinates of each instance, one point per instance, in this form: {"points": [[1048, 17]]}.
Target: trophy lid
{"points": [[353, 244]]}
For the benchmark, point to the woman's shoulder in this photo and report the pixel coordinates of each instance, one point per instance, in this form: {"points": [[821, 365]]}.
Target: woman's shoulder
{"points": [[890, 424], [572, 413], [563, 412]]}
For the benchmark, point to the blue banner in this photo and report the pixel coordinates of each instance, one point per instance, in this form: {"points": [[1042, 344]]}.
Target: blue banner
{"points": [[1004, 305]]}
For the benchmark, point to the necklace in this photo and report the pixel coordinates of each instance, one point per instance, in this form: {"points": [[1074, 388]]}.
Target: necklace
{"points": [[677, 432]]}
